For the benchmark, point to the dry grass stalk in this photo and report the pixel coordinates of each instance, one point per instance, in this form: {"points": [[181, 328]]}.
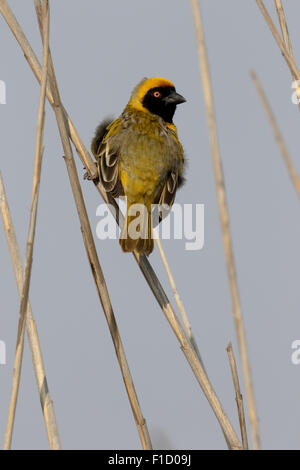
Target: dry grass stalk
{"points": [[289, 59], [143, 263], [286, 40], [93, 257], [283, 26], [224, 216], [279, 139], [32, 60], [238, 396], [37, 360], [30, 239], [177, 297]]}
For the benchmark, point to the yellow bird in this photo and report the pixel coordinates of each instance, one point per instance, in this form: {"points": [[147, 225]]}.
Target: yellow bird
{"points": [[140, 156]]}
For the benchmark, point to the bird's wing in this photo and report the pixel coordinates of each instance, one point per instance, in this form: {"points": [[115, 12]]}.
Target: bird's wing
{"points": [[174, 180], [106, 151], [168, 194]]}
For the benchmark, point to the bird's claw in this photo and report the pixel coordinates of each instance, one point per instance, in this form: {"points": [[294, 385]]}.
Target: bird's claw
{"points": [[89, 177]]}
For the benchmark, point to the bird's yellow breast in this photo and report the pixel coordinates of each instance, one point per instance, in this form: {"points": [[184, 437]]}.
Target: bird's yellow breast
{"points": [[149, 153]]}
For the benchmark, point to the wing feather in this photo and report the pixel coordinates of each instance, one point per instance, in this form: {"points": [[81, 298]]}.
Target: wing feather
{"points": [[168, 194], [106, 153]]}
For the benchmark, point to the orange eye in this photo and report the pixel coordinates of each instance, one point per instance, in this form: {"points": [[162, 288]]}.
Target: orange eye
{"points": [[156, 94]]}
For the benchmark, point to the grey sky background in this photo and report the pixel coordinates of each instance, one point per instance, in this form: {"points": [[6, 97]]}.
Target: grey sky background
{"points": [[100, 51]]}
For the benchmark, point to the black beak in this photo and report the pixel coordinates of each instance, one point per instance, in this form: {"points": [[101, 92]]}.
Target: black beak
{"points": [[174, 98]]}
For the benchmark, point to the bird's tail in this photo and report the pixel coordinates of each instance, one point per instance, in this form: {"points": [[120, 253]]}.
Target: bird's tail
{"points": [[136, 233]]}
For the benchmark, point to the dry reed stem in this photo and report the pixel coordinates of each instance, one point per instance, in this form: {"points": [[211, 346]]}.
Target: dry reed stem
{"points": [[30, 238], [279, 139], [142, 261], [286, 40], [238, 396], [288, 58], [93, 257], [37, 360], [283, 26], [224, 216], [177, 297]]}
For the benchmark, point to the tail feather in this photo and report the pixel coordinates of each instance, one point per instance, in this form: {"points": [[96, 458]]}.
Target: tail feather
{"points": [[140, 240]]}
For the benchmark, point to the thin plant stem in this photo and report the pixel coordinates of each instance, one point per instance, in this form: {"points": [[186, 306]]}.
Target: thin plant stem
{"points": [[33, 339], [277, 134], [182, 311], [224, 216], [30, 238], [238, 396], [286, 40], [288, 58], [283, 25]]}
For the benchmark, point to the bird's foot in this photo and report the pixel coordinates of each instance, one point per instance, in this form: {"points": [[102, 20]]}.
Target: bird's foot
{"points": [[89, 177]]}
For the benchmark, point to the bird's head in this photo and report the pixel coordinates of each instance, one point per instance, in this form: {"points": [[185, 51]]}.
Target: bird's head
{"points": [[158, 96]]}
